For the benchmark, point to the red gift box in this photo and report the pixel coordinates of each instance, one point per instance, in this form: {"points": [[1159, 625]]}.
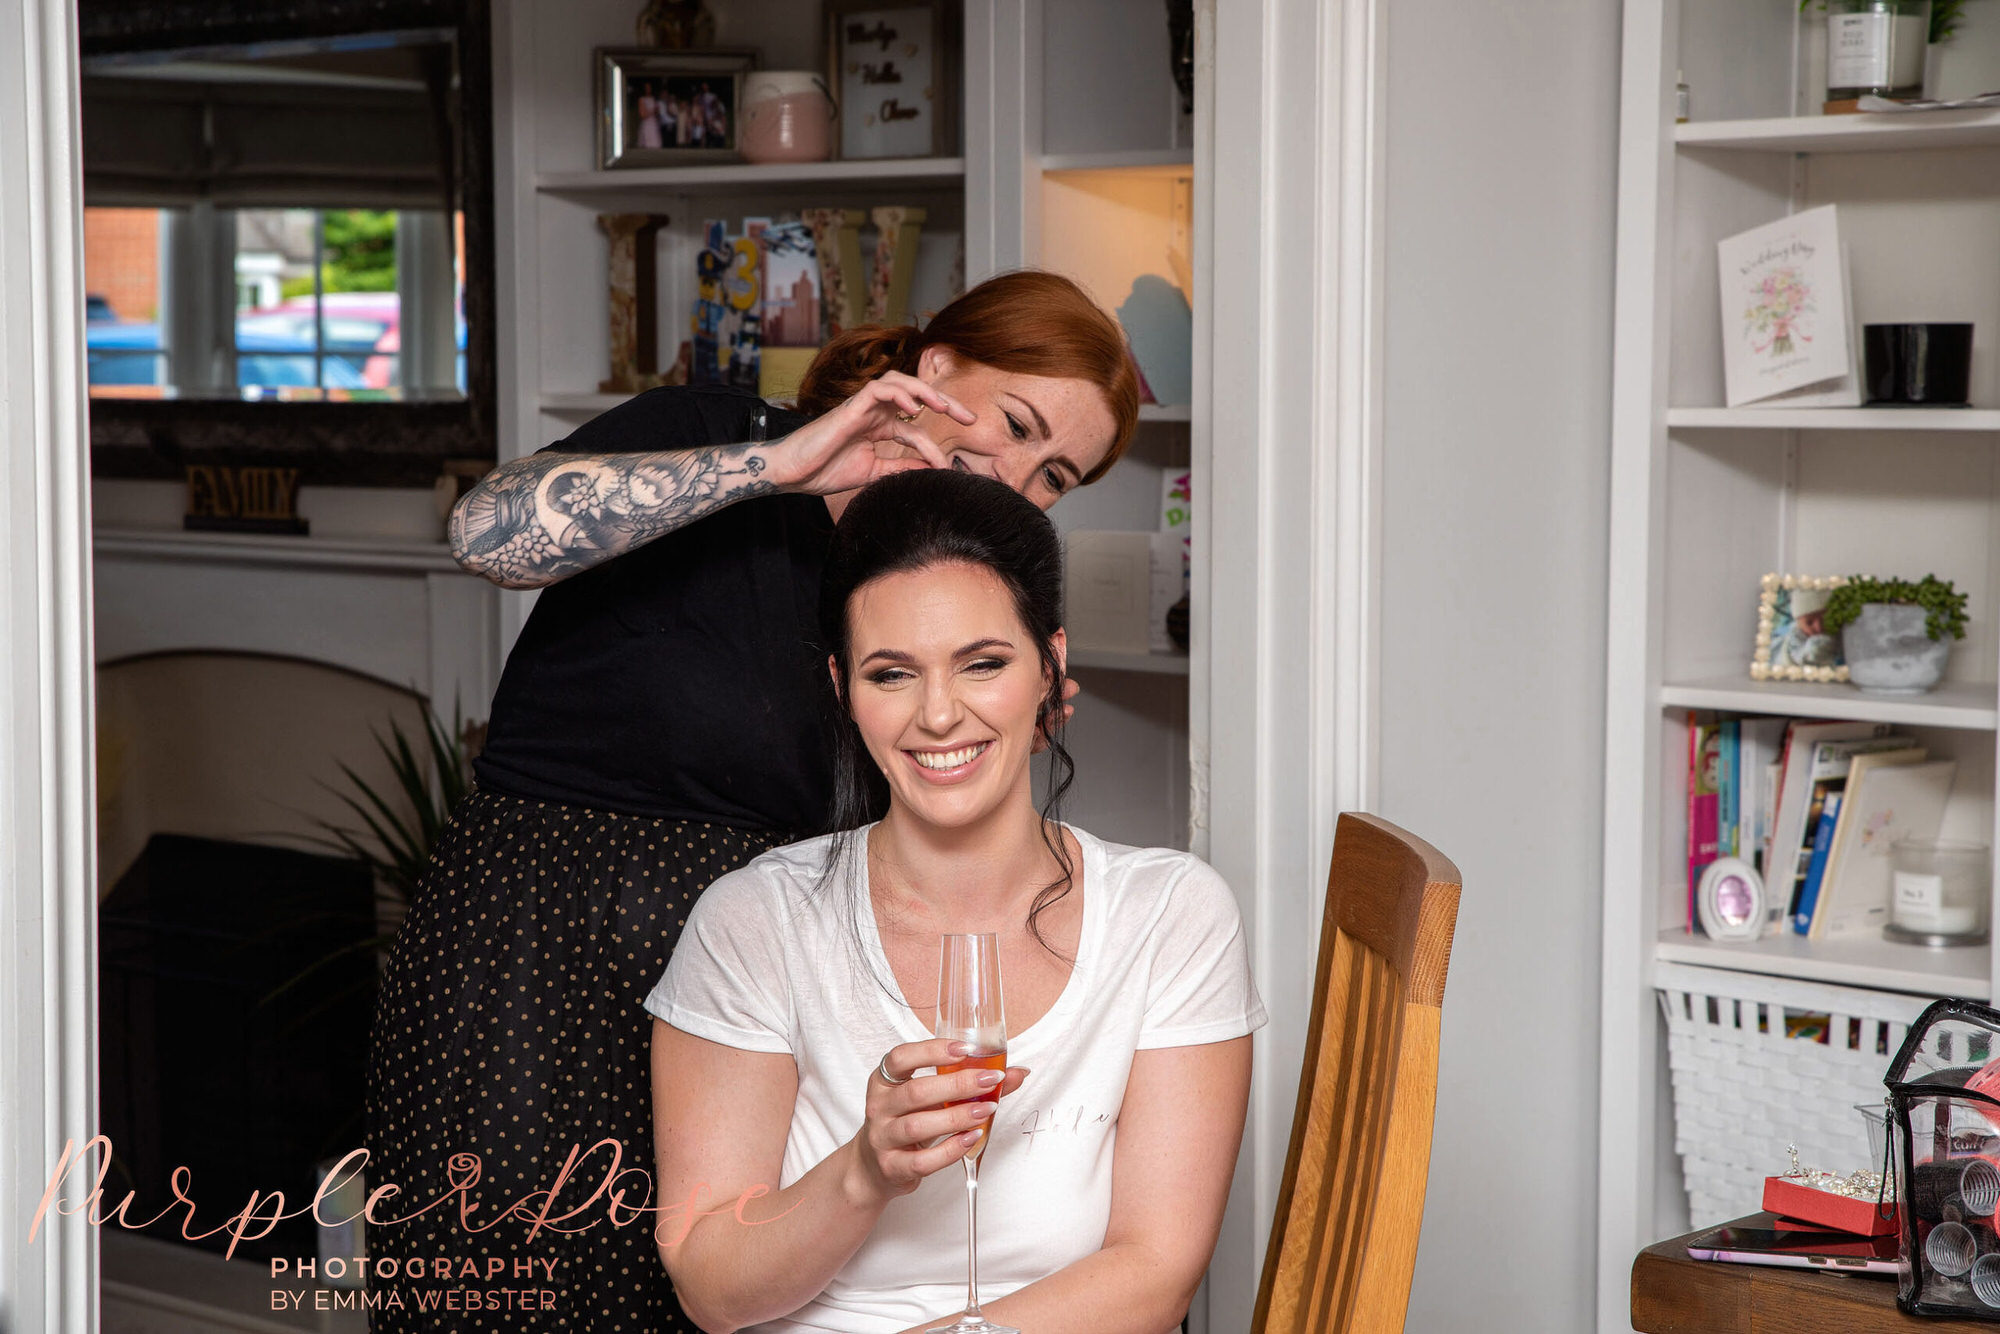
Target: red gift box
{"points": [[1843, 1213]]}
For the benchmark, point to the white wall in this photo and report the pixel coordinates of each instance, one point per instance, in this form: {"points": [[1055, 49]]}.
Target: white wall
{"points": [[1501, 157]]}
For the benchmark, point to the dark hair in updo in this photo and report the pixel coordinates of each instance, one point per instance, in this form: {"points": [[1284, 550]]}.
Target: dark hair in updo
{"points": [[912, 521]]}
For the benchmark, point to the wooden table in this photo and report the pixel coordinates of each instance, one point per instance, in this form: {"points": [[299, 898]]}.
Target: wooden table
{"points": [[1672, 1294]]}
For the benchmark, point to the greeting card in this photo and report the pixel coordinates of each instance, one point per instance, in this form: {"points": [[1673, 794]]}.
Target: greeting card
{"points": [[1784, 307]]}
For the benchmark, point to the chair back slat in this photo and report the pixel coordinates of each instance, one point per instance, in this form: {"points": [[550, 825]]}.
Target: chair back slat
{"points": [[1312, 1274], [1344, 1245]]}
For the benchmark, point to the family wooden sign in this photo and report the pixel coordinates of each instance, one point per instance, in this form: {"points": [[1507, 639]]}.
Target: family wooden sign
{"points": [[243, 500]]}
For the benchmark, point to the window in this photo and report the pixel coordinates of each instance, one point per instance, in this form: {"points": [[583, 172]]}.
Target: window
{"points": [[126, 354], [275, 303]]}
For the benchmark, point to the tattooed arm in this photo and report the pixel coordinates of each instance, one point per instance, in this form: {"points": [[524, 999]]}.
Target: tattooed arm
{"points": [[540, 519]]}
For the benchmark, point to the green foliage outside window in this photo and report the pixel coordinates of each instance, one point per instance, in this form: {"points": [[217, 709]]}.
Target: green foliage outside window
{"points": [[360, 253]]}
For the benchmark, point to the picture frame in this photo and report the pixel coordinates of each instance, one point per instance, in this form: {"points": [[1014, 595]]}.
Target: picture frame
{"points": [[893, 69], [660, 108], [1730, 902], [1791, 645]]}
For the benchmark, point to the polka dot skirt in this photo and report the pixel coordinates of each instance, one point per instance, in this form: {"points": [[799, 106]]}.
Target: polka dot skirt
{"points": [[510, 1026]]}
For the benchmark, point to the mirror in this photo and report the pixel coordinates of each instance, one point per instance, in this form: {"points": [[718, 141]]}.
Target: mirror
{"points": [[287, 237]]}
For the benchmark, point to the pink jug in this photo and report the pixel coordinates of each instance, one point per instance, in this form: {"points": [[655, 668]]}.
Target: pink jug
{"points": [[787, 117]]}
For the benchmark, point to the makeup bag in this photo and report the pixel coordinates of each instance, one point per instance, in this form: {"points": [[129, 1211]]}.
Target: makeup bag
{"points": [[1944, 1102]]}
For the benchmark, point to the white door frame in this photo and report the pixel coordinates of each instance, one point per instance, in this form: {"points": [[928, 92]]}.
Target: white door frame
{"points": [[1287, 412], [48, 1038]]}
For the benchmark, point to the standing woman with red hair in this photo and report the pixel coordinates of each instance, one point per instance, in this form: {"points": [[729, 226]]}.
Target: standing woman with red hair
{"points": [[662, 720]]}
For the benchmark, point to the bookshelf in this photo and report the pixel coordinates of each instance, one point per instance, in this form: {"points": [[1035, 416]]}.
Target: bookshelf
{"points": [[1061, 103], [1834, 419], [1706, 499], [1894, 132], [1956, 704], [749, 177], [590, 404], [1095, 660], [1878, 965]]}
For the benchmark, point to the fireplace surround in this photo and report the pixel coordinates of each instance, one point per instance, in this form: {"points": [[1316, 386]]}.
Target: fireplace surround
{"points": [[236, 675]]}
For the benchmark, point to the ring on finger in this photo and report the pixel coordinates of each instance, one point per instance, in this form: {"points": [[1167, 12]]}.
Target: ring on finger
{"points": [[906, 417], [887, 1078]]}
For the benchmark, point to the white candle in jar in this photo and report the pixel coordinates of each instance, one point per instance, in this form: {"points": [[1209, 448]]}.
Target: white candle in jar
{"points": [[1940, 888]]}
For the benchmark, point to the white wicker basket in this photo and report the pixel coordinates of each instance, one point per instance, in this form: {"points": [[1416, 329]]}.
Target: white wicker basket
{"points": [[1743, 1090]]}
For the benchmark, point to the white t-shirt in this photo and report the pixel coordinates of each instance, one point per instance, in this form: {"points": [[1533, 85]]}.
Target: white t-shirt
{"points": [[768, 963]]}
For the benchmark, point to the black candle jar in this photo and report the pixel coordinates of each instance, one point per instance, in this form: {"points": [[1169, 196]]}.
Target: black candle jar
{"points": [[1918, 364]]}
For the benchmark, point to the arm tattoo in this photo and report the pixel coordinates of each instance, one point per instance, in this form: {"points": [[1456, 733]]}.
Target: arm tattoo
{"points": [[540, 519]]}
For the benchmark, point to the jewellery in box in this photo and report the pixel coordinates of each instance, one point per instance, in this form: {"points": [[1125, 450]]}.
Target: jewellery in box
{"points": [[1862, 1202]]}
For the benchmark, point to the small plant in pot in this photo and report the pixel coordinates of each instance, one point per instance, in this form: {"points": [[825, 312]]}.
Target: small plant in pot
{"points": [[1896, 634]]}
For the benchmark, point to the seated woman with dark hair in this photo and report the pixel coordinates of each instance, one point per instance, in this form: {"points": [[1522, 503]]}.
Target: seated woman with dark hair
{"points": [[796, 1013]]}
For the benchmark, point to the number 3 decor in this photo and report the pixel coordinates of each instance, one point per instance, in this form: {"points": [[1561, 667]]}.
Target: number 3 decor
{"points": [[892, 68]]}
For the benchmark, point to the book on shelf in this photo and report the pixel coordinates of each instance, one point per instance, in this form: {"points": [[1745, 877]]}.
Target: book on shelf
{"points": [[1785, 309], [1794, 796], [1824, 771], [1729, 732], [1731, 791], [1823, 821], [1703, 804], [1759, 751], [1890, 796], [1813, 914]]}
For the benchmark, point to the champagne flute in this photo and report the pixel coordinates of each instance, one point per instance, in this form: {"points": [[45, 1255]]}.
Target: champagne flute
{"points": [[969, 1010]]}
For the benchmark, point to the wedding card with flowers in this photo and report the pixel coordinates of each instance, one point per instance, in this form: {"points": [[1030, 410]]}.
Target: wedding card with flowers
{"points": [[1787, 314]]}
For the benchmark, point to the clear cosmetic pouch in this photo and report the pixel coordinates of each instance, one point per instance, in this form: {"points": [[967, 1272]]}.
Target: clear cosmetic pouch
{"points": [[1944, 1101]]}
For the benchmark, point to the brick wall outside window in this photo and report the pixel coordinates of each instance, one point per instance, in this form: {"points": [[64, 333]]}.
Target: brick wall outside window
{"points": [[121, 259]]}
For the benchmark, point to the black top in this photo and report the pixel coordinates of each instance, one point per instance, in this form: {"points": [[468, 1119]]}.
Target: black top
{"points": [[682, 679]]}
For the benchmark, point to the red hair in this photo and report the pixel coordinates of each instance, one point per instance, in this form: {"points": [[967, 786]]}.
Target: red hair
{"points": [[1029, 322]]}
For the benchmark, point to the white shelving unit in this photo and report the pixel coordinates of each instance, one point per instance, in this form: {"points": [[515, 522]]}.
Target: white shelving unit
{"points": [[1109, 660], [1956, 704], [1170, 161], [1072, 141], [592, 404], [1845, 134], [1833, 419], [748, 177], [1872, 963], [1706, 499]]}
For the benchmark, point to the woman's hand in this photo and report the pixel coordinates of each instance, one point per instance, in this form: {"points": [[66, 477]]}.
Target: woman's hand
{"points": [[874, 433], [911, 1129]]}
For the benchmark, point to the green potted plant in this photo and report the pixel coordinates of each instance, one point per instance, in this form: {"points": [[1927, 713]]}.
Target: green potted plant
{"points": [[1896, 634]]}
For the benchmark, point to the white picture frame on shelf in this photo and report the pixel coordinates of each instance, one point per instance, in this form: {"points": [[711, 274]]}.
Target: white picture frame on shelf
{"points": [[1730, 901], [1792, 644], [891, 69]]}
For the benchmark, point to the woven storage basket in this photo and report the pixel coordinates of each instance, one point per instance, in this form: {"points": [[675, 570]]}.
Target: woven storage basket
{"points": [[1743, 1090]]}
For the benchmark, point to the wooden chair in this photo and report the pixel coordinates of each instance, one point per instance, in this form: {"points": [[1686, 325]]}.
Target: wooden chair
{"points": [[1345, 1241]]}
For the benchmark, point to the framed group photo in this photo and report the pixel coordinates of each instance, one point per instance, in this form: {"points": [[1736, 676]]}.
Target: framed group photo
{"points": [[658, 108]]}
